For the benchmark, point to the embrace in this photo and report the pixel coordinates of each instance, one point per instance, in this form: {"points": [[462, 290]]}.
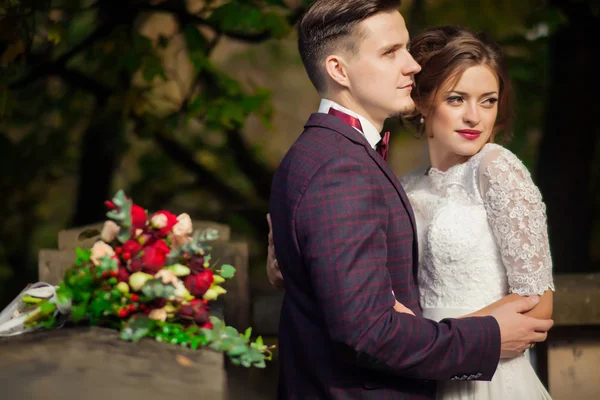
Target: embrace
{"points": [[431, 286]]}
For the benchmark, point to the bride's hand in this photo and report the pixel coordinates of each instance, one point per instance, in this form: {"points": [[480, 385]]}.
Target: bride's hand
{"points": [[273, 271], [399, 307]]}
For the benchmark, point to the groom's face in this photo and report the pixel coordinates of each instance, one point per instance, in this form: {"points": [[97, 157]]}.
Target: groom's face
{"points": [[381, 74]]}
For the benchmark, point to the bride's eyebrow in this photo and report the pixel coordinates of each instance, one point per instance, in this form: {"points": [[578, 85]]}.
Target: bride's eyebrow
{"points": [[466, 94]]}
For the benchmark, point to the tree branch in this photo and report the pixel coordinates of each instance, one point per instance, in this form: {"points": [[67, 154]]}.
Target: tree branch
{"points": [[60, 63], [205, 178], [179, 9]]}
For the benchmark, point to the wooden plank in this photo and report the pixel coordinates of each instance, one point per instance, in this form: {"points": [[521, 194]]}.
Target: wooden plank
{"points": [[236, 302], [52, 265], [577, 300], [94, 363]]}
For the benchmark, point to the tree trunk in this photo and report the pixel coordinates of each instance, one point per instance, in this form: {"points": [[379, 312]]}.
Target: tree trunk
{"points": [[571, 129], [100, 154]]}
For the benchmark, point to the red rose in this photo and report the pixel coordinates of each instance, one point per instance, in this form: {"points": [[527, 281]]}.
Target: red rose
{"points": [[163, 221], [196, 264], [207, 325], [154, 257], [198, 284], [132, 247], [136, 265], [195, 311], [138, 217], [122, 275]]}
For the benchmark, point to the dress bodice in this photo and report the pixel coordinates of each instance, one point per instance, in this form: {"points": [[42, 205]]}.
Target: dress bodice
{"points": [[482, 231]]}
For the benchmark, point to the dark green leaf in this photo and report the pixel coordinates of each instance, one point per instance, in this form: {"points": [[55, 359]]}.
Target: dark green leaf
{"points": [[78, 312], [82, 256]]}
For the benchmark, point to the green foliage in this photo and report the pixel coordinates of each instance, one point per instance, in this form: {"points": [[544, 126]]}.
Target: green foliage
{"points": [[122, 215], [155, 288], [137, 328], [227, 271], [238, 346]]}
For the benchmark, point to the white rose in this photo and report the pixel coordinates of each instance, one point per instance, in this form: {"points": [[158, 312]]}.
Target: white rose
{"points": [[159, 221], [166, 276], [109, 231], [158, 315], [99, 250], [183, 225]]}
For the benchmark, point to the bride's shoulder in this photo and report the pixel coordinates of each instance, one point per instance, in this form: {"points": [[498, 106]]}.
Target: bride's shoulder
{"points": [[410, 180], [496, 157]]}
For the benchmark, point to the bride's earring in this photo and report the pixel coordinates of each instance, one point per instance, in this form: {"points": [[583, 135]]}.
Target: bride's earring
{"points": [[422, 120]]}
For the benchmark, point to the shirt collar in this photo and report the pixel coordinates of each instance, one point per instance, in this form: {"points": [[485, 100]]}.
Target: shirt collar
{"points": [[369, 131]]}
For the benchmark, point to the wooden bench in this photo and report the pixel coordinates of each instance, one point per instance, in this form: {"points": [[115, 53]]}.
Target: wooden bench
{"points": [[93, 363]]}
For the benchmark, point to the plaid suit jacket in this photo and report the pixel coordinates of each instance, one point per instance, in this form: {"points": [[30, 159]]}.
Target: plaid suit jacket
{"points": [[344, 236]]}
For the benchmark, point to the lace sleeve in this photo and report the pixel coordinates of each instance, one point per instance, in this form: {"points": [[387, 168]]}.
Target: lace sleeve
{"points": [[517, 216]]}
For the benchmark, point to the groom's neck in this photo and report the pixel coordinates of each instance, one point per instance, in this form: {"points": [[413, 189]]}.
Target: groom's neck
{"points": [[344, 99]]}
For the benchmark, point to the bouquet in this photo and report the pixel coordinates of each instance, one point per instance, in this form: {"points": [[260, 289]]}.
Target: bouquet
{"points": [[147, 276]]}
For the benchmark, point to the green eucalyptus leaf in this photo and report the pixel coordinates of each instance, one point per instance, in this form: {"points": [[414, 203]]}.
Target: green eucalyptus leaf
{"points": [[227, 271], [136, 328]]}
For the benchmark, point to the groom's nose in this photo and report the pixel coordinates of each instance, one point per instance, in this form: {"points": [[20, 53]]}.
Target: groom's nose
{"points": [[411, 67]]}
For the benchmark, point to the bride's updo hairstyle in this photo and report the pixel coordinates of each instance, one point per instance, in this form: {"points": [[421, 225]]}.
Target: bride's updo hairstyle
{"points": [[444, 53]]}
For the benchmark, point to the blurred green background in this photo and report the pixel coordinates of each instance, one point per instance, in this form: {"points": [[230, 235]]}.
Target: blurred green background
{"points": [[190, 105]]}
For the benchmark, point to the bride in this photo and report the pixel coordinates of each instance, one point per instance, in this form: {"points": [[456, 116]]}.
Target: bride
{"points": [[481, 221]]}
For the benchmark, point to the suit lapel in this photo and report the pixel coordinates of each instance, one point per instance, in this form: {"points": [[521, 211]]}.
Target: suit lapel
{"points": [[335, 124]]}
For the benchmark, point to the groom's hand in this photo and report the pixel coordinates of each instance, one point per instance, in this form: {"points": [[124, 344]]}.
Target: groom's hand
{"points": [[519, 332], [273, 271], [401, 308]]}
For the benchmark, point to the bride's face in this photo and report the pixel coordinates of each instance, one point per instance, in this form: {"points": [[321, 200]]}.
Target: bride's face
{"points": [[464, 114]]}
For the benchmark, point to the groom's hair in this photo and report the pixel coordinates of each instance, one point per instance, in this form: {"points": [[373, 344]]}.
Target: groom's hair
{"points": [[329, 26]]}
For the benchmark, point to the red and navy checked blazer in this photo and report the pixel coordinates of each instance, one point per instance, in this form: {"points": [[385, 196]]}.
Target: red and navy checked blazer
{"points": [[345, 237]]}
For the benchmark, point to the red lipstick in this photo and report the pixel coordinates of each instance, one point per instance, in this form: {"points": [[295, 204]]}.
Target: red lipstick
{"points": [[469, 134]]}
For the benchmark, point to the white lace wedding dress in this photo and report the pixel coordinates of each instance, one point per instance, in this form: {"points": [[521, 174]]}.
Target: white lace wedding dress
{"points": [[482, 235]]}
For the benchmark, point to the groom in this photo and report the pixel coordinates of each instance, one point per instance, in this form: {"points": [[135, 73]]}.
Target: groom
{"points": [[344, 232]]}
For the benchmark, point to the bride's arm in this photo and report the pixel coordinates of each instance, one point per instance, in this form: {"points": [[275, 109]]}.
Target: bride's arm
{"points": [[517, 216], [543, 310]]}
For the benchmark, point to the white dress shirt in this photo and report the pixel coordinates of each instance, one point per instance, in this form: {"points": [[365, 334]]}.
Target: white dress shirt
{"points": [[369, 131]]}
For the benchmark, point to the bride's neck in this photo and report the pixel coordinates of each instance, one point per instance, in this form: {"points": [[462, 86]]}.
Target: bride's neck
{"points": [[442, 159]]}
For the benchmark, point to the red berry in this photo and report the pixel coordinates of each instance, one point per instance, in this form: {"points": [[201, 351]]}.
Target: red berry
{"points": [[104, 274], [126, 255], [113, 273], [123, 313], [119, 250], [135, 297], [132, 307]]}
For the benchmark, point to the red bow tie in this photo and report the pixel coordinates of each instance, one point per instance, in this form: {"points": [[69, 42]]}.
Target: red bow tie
{"points": [[382, 147]]}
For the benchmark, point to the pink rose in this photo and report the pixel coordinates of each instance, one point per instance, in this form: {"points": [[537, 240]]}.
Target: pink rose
{"points": [[100, 250], [165, 220], [183, 225], [109, 231]]}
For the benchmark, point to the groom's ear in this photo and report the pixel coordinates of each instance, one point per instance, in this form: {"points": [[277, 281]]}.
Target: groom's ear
{"points": [[335, 67]]}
